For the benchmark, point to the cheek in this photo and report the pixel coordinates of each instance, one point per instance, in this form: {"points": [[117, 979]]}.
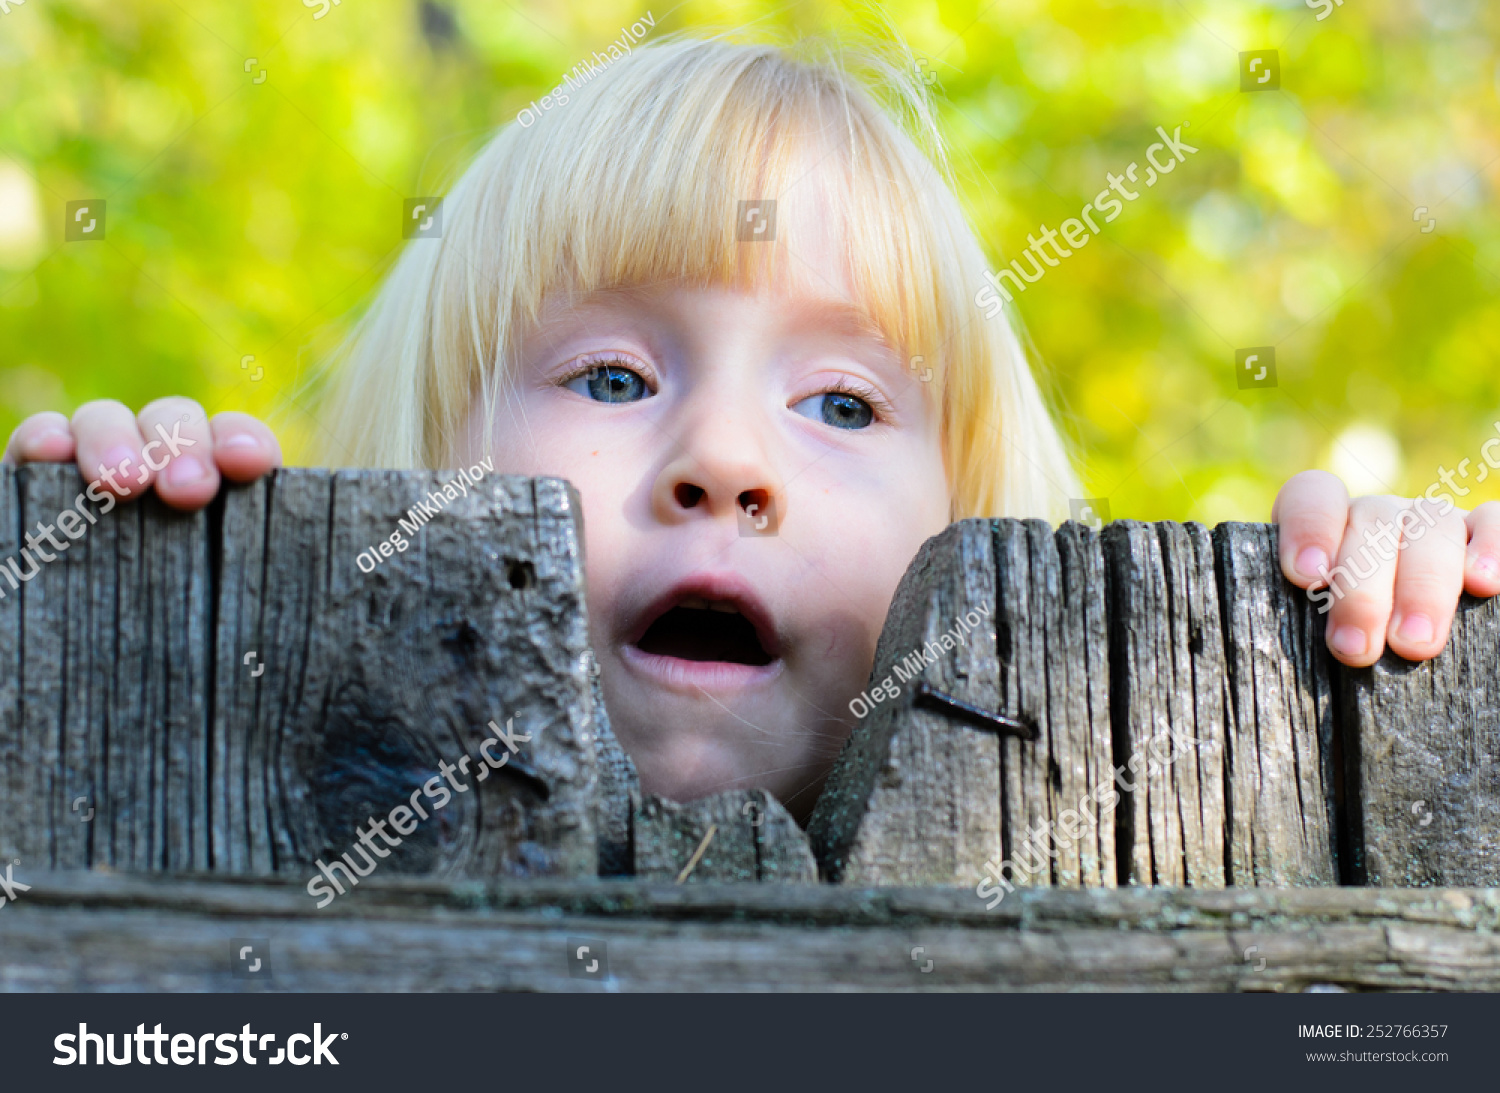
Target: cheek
{"points": [[859, 560], [867, 538], [604, 486], [864, 542], [556, 448]]}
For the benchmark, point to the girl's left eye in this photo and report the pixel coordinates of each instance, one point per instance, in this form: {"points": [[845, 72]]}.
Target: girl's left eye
{"points": [[843, 409]]}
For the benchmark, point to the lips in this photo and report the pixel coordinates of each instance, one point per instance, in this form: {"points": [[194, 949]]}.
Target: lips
{"points": [[708, 617]]}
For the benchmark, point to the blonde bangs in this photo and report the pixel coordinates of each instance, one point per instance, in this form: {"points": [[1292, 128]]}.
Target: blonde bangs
{"points": [[662, 204]]}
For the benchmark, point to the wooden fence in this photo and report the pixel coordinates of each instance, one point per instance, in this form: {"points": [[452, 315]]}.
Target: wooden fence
{"points": [[213, 706]]}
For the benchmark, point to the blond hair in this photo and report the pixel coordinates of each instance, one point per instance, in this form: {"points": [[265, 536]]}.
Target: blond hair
{"points": [[635, 179]]}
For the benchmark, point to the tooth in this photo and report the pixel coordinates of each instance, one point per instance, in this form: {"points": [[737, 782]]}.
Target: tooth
{"points": [[723, 606], [693, 601]]}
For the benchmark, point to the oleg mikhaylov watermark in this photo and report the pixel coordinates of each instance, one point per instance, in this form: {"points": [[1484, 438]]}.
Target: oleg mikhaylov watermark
{"points": [[586, 70], [421, 513], [910, 666]]}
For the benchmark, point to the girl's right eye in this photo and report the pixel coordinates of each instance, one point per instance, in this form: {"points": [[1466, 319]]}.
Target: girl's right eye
{"points": [[609, 381]]}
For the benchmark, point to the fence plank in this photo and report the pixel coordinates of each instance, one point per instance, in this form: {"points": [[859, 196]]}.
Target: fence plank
{"points": [[358, 687], [1170, 701], [15, 833], [1079, 715], [619, 790], [1051, 650], [1424, 788], [94, 786], [1281, 675], [242, 791], [703, 840], [407, 666]]}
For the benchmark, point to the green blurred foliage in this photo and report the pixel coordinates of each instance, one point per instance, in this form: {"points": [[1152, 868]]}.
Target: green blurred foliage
{"points": [[251, 217]]}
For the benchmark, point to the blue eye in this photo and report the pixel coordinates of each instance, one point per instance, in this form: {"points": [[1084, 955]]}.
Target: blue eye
{"points": [[837, 408], [609, 383]]}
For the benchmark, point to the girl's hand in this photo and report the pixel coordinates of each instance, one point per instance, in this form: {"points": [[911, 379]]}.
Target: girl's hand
{"points": [[170, 444], [1387, 570]]}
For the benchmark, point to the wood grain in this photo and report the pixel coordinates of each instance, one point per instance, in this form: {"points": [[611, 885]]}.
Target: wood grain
{"points": [[98, 932], [1052, 655], [1283, 782], [1424, 783], [1170, 702], [229, 690], [744, 836]]}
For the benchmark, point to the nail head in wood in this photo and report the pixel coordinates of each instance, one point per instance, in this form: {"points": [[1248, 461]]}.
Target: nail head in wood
{"points": [[930, 698]]}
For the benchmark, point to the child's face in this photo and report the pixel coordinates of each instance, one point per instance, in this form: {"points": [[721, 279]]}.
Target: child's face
{"points": [[715, 468]]}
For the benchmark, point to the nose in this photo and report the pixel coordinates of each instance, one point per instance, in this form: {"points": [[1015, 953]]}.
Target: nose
{"points": [[721, 468]]}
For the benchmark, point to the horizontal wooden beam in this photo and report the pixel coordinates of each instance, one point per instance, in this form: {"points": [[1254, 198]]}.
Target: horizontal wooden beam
{"points": [[95, 932]]}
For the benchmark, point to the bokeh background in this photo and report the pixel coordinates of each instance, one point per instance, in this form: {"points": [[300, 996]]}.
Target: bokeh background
{"points": [[254, 159]]}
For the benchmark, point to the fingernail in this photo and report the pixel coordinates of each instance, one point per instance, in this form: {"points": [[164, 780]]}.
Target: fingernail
{"points": [[1311, 561], [1349, 640], [239, 440], [114, 459], [184, 471], [1487, 566], [1416, 628], [46, 435]]}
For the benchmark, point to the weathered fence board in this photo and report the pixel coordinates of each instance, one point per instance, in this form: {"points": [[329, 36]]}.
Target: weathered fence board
{"points": [[1223, 724], [1424, 788], [93, 932], [1283, 784], [619, 788], [1054, 671], [105, 754], [335, 694], [1169, 677]]}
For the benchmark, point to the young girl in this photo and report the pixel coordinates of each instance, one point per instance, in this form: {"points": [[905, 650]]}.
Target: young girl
{"points": [[732, 300]]}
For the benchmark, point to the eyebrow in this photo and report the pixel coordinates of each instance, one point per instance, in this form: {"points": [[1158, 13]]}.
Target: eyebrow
{"points": [[845, 314], [841, 316], [828, 312]]}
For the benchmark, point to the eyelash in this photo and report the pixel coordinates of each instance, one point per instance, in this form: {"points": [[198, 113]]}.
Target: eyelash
{"points": [[846, 386], [606, 360], [842, 386]]}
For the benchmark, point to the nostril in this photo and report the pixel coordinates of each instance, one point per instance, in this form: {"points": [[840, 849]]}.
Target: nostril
{"points": [[688, 494], [760, 499]]}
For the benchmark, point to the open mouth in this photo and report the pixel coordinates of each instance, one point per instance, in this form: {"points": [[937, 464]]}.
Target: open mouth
{"points": [[700, 629]]}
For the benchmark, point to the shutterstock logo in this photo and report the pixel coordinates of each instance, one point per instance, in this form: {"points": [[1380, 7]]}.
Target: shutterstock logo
{"points": [[10, 886], [189, 1050]]}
